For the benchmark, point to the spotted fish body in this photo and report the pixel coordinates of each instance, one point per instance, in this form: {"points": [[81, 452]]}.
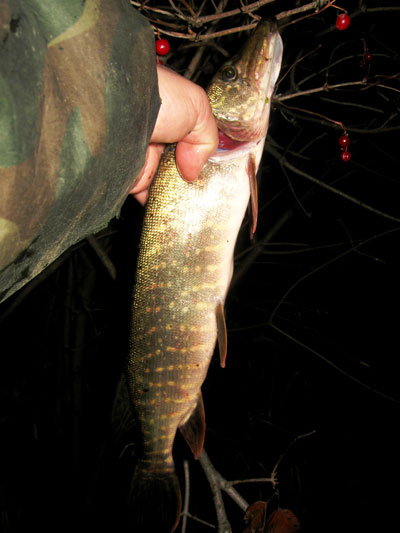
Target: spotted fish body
{"points": [[184, 270]]}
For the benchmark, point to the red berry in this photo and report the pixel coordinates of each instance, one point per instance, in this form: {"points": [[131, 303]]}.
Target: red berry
{"points": [[346, 156], [368, 57], [162, 47], [343, 21], [344, 140]]}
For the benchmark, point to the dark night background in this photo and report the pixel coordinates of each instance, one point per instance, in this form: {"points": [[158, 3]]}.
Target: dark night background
{"points": [[312, 316]]}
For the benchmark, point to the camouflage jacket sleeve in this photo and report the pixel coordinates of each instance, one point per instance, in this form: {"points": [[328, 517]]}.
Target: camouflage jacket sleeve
{"points": [[78, 103]]}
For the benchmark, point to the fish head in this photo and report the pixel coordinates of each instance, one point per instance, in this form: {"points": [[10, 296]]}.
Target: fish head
{"points": [[240, 93]]}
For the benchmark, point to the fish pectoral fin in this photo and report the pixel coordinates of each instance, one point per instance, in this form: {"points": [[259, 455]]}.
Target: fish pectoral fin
{"points": [[222, 333], [253, 205], [194, 429]]}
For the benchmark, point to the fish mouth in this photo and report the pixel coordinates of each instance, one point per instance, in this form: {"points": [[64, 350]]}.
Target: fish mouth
{"points": [[229, 149], [227, 143]]}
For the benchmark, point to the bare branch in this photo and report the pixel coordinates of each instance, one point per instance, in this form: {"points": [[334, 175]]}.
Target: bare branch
{"points": [[214, 480], [333, 365], [185, 510], [283, 161], [323, 88], [200, 50], [198, 22], [102, 255]]}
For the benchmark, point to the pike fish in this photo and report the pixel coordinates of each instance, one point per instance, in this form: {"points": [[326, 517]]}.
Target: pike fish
{"points": [[184, 270]]}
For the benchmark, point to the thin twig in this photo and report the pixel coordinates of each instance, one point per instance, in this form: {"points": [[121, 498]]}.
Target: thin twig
{"points": [[102, 255], [196, 37], [323, 88], [270, 479], [188, 7], [177, 11], [200, 21], [299, 60], [353, 248], [158, 10], [333, 365], [282, 160], [274, 470], [214, 481], [200, 50], [197, 22], [185, 510], [307, 7], [258, 248]]}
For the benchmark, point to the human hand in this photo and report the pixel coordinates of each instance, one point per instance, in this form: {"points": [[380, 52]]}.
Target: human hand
{"points": [[184, 117]]}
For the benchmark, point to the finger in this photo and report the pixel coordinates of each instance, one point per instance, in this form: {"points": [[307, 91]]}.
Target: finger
{"points": [[190, 158], [142, 197], [143, 181]]}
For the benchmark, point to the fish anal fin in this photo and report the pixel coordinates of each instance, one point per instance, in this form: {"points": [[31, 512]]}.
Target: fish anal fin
{"points": [[194, 429], [253, 205], [222, 333]]}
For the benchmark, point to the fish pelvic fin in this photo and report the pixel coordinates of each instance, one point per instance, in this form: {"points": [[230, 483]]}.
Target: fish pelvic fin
{"points": [[155, 501]]}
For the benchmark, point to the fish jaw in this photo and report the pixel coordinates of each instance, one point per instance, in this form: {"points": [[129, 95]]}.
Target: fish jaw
{"points": [[240, 93]]}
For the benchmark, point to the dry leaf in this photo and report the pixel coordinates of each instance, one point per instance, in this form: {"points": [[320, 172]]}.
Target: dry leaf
{"points": [[282, 521], [255, 517]]}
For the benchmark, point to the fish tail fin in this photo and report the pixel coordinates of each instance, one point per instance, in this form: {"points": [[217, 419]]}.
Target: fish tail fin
{"points": [[155, 501]]}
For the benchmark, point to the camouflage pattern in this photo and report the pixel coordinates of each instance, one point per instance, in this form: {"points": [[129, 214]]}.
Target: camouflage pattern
{"points": [[78, 103]]}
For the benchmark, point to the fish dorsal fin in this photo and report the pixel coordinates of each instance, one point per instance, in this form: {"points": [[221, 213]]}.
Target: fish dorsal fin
{"points": [[194, 429], [222, 334], [253, 205]]}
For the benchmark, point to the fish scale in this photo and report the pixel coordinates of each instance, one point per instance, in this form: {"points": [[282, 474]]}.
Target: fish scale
{"points": [[184, 269], [177, 290]]}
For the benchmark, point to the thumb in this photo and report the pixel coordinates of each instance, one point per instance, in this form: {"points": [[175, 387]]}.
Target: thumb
{"points": [[199, 144], [190, 158]]}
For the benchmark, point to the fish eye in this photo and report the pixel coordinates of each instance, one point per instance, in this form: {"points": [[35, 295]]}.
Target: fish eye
{"points": [[229, 73]]}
